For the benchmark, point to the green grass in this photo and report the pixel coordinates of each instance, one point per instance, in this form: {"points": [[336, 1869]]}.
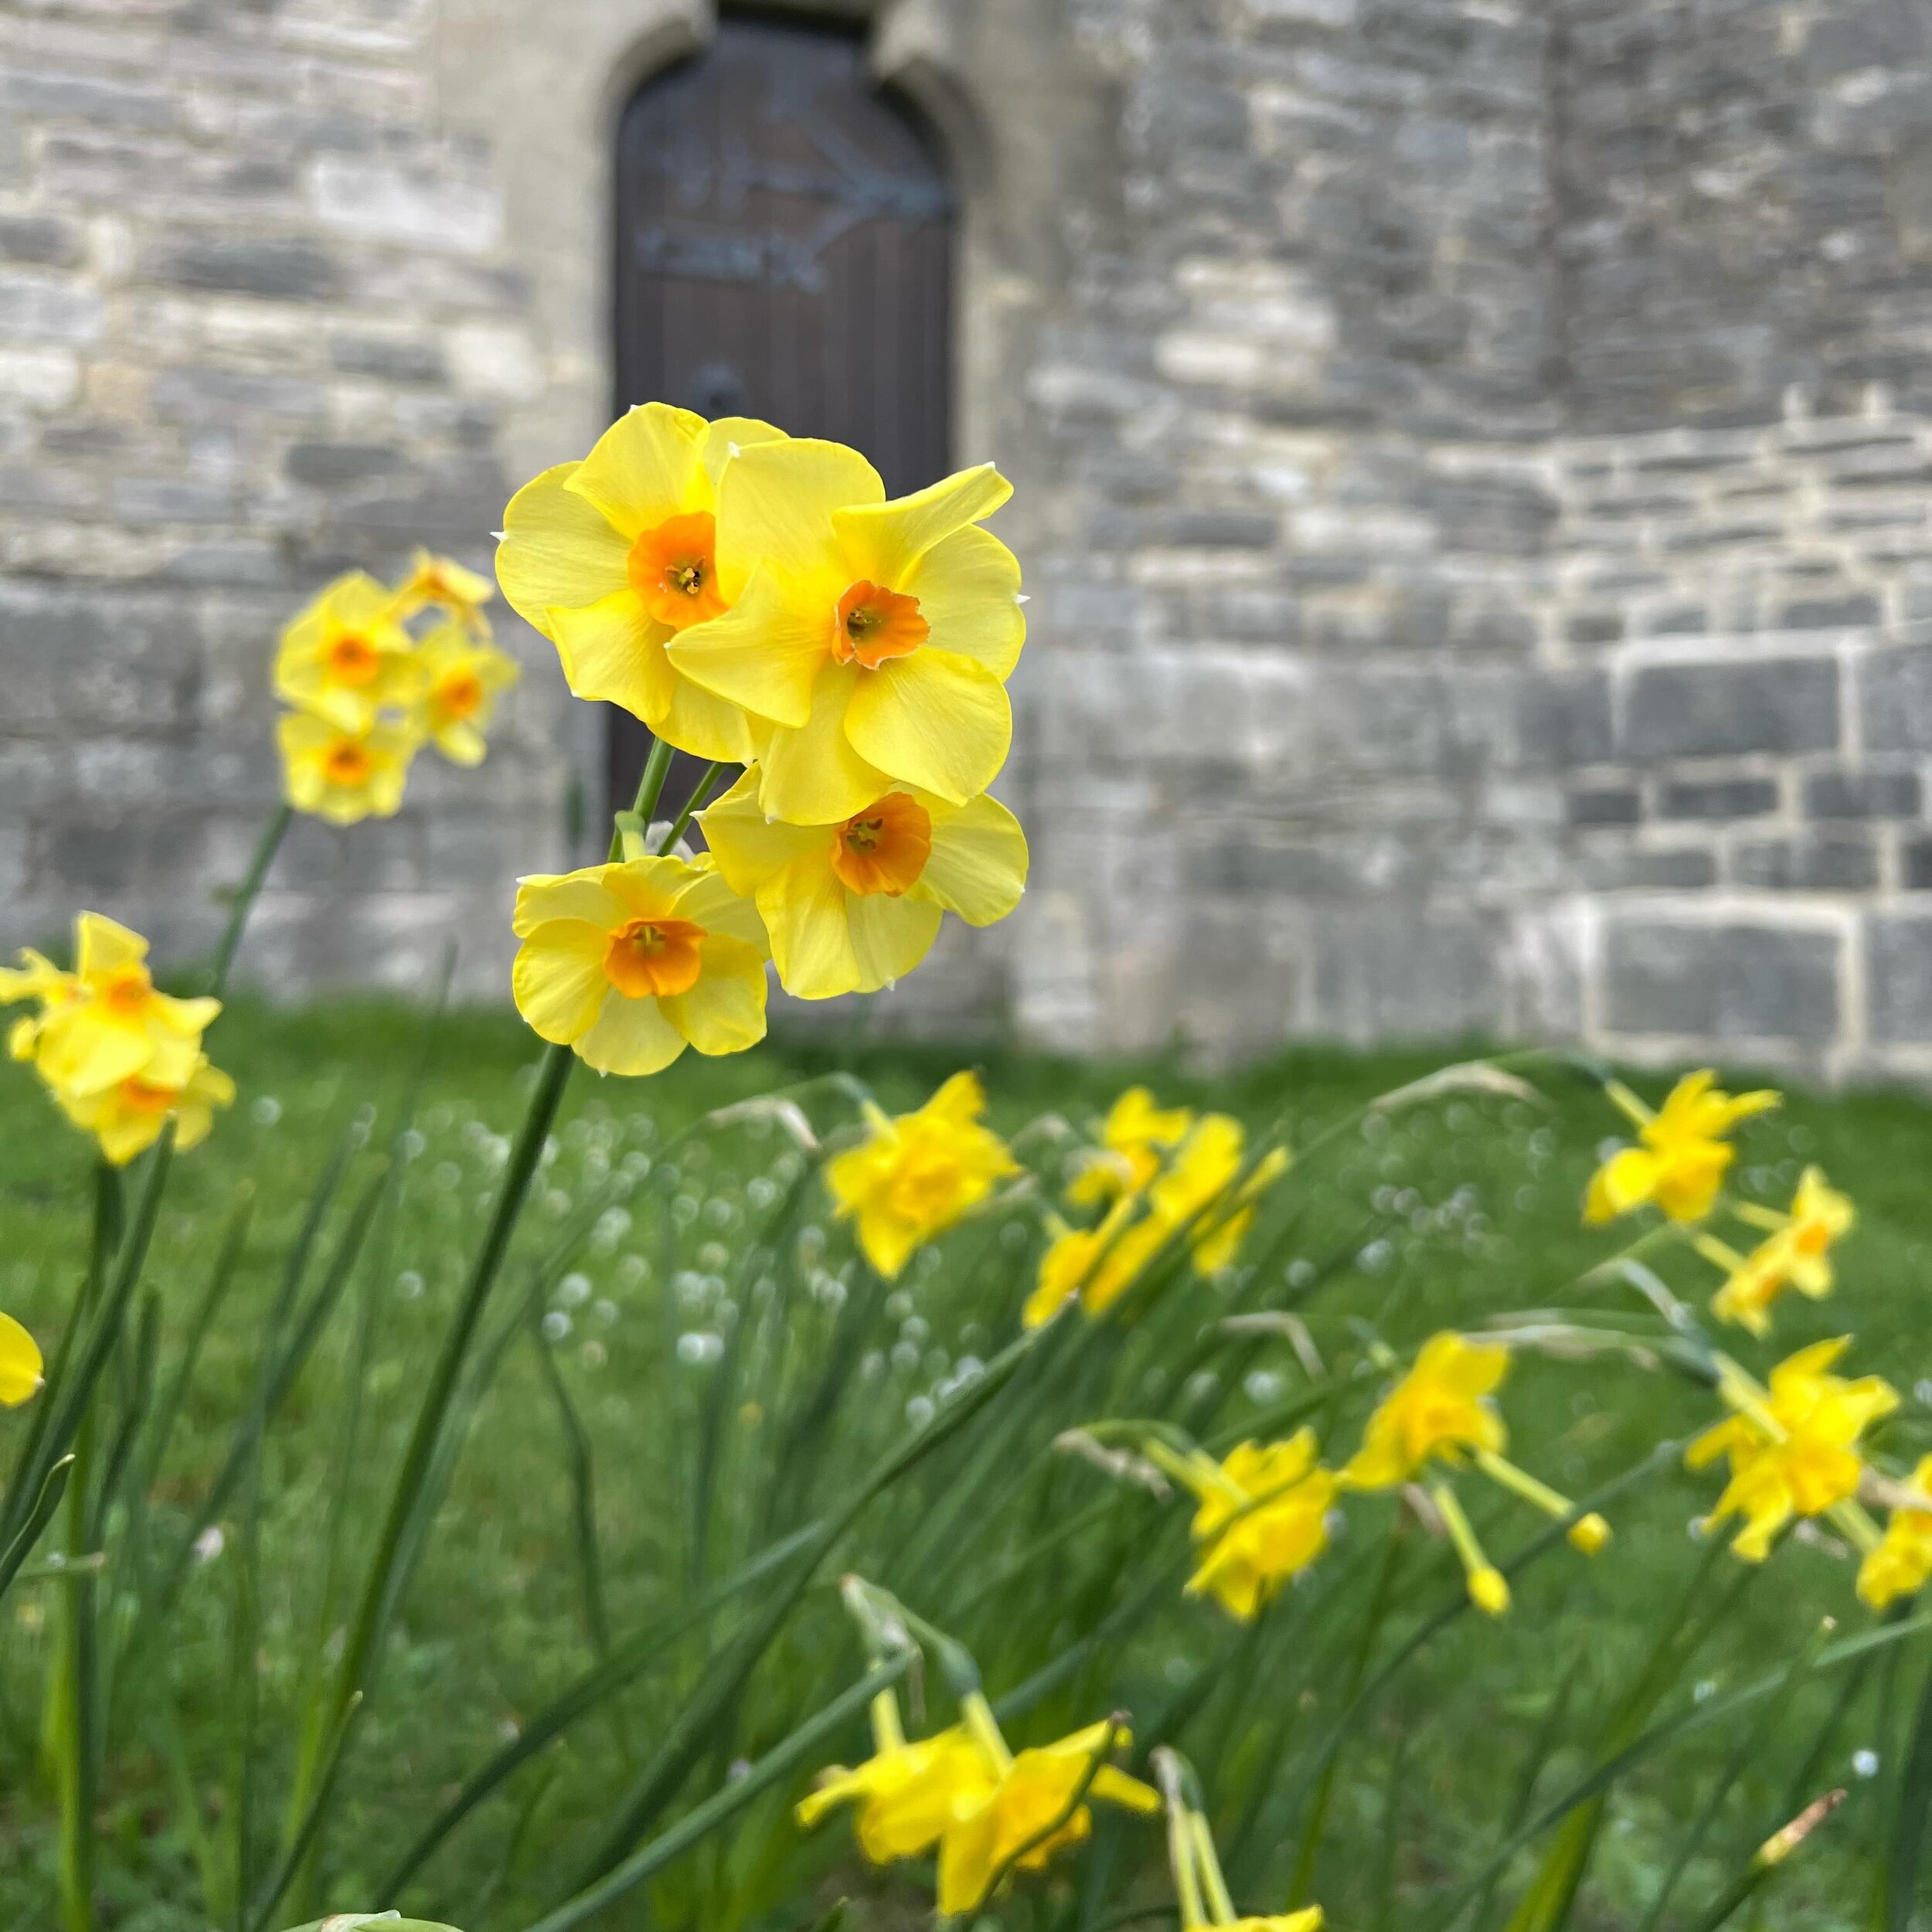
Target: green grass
{"points": [[1455, 1211]]}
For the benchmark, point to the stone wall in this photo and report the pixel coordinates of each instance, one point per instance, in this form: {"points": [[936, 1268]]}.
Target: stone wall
{"points": [[1472, 460]]}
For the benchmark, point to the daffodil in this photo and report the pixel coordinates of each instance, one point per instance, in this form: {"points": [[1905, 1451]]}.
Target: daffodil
{"points": [[629, 964], [442, 583], [1795, 1254], [614, 557], [1441, 1409], [21, 1370], [1197, 1189], [346, 658], [904, 1793], [1136, 1138], [462, 676], [1902, 1560], [855, 906], [875, 637], [341, 775], [1262, 1519], [1682, 1156], [913, 1177], [1031, 1807], [126, 1118], [106, 1022], [1097, 1265], [1792, 1451]]}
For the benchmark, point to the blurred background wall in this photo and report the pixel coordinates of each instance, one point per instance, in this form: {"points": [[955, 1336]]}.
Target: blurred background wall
{"points": [[1473, 463]]}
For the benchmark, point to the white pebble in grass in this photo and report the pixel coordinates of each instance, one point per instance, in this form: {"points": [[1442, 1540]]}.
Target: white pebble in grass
{"points": [[1922, 1388], [265, 1111], [920, 1411], [828, 1291], [633, 1270], [572, 1290], [872, 1367], [210, 1543], [699, 1346], [603, 1311], [411, 1143], [556, 1325], [1262, 1384], [1706, 1689], [1865, 1763], [593, 1355], [409, 1284], [761, 1191], [904, 1356], [1301, 1274]]}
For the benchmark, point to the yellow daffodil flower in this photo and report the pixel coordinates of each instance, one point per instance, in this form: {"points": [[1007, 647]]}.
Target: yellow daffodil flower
{"points": [[1026, 1811], [1794, 1254], [462, 679], [853, 907], [1200, 1883], [905, 1793], [1794, 1451], [1902, 1560], [126, 1118], [913, 1177], [614, 557], [629, 963], [1097, 1264], [346, 658], [443, 583], [1201, 1174], [21, 1370], [105, 1022], [1440, 1409], [1262, 1519], [876, 637], [340, 775], [1136, 1138], [1683, 1158]]}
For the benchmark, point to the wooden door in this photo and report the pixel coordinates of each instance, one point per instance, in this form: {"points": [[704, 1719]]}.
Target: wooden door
{"points": [[784, 250]]}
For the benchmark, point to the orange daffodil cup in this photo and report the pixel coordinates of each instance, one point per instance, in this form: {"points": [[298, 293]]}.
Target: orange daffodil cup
{"points": [[755, 600]]}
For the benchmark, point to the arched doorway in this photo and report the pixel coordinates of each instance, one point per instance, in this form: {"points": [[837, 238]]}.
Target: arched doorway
{"points": [[784, 244]]}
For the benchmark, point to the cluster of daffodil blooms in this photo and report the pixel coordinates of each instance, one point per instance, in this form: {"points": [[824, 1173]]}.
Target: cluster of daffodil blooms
{"points": [[756, 600], [1793, 1445], [366, 691]]}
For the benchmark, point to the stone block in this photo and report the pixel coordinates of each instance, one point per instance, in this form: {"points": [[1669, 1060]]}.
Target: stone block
{"points": [[1841, 861], [1850, 612], [1720, 709], [1562, 718], [285, 268], [1606, 805], [1863, 794], [1717, 798], [1401, 973], [1720, 983], [78, 96], [1898, 954], [43, 377], [38, 308], [1895, 699], [47, 240]]}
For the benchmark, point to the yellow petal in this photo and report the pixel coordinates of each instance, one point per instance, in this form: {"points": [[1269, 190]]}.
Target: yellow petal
{"points": [[763, 653], [814, 776], [705, 898], [707, 726], [751, 849], [890, 936], [883, 541], [20, 1364], [559, 981], [938, 721], [978, 865], [804, 908], [639, 470], [775, 501], [727, 436], [630, 1037], [103, 945], [613, 653], [968, 590], [558, 552], [725, 1011], [544, 896]]}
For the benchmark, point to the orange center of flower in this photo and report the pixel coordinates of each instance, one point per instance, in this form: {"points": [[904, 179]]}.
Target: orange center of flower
{"points": [[1813, 1237], [347, 762], [353, 659], [141, 1097], [651, 958], [127, 991], [883, 848], [674, 570], [876, 624], [460, 694]]}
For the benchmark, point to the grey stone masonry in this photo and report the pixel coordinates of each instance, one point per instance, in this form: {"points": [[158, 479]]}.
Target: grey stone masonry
{"points": [[1474, 464]]}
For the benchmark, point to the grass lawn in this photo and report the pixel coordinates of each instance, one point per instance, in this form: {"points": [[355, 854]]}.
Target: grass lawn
{"points": [[1454, 1211]]}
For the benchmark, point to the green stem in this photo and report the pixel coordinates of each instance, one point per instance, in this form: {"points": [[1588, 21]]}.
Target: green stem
{"points": [[657, 768], [700, 792], [245, 894]]}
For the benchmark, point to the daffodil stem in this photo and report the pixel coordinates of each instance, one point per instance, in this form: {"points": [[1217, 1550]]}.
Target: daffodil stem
{"points": [[1550, 1501], [700, 792], [243, 903], [657, 768]]}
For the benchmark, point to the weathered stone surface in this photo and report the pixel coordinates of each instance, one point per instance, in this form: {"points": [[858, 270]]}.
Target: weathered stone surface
{"points": [[1898, 952], [1713, 710], [1722, 983]]}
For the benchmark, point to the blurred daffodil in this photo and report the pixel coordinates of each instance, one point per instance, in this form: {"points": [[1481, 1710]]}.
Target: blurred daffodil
{"points": [[21, 1370], [346, 658], [913, 1177], [462, 677], [1136, 1138], [629, 963], [855, 906], [1795, 1254], [341, 775], [441, 583], [1262, 1519], [126, 1118], [904, 1793], [1682, 1155], [1792, 1451], [1096, 1265], [1198, 1189], [876, 638], [1902, 1560], [106, 1022], [614, 557]]}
